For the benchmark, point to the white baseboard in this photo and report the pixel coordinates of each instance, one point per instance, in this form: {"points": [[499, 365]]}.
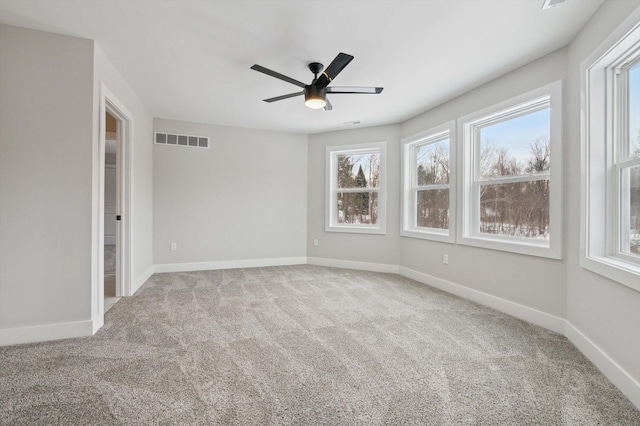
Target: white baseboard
{"points": [[141, 279], [46, 332], [534, 316], [228, 264], [611, 369], [352, 264]]}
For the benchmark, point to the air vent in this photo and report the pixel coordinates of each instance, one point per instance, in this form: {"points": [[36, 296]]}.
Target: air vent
{"points": [[182, 140]]}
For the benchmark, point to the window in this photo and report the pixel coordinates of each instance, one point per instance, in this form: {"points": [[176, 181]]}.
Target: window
{"points": [[511, 187], [429, 184], [356, 188], [611, 160], [627, 167]]}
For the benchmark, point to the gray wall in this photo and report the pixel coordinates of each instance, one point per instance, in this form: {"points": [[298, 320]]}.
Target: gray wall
{"points": [[204, 199], [372, 248], [49, 181], [531, 281], [243, 198], [141, 164], [606, 312], [46, 133]]}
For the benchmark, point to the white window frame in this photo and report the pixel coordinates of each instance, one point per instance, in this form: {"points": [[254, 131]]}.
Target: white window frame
{"points": [[603, 157], [468, 196], [410, 186], [331, 223]]}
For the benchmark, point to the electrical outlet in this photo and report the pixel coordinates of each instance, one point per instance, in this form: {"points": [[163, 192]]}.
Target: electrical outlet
{"points": [[316, 243], [445, 259], [174, 246]]}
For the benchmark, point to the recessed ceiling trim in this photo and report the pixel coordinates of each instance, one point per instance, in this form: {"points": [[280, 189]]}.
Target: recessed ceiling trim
{"points": [[550, 4]]}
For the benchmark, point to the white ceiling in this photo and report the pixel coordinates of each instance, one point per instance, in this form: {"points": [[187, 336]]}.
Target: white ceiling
{"points": [[189, 60]]}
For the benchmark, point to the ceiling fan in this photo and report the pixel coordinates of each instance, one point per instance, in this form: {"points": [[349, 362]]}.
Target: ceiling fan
{"points": [[315, 94]]}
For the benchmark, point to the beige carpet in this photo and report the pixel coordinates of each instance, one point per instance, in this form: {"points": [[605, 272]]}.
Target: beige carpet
{"points": [[305, 345]]}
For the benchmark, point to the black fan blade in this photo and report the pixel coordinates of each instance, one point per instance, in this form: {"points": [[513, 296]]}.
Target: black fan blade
{"points": [[277, 75], [328, 106], [334, 68], [355, 90], [279, 98]]}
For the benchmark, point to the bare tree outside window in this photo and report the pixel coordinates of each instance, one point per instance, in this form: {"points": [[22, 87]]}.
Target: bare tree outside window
{"points": [[516, 207], [433, 165], [355, 171], [632, 174]]}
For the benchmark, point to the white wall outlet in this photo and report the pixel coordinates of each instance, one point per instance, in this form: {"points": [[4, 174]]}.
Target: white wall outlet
{"points": [[445, 259], [316, 243], [174, 246]]}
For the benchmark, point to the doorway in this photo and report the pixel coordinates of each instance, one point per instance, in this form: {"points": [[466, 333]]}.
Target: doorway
{"points": [[111, 278], [114, 206]]}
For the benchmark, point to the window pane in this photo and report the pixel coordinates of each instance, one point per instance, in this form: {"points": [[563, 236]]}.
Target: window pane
{"points": [[357, 207], [631, 241], [517, 209], [634, 109], [432, 163], [516, 146], [432, 209], [359, 170]]}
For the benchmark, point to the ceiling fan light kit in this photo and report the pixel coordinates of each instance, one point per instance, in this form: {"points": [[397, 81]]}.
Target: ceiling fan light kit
{"points": [[315, 97], [315, 94]]}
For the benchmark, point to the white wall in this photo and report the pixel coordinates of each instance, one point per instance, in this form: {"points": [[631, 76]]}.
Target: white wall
{"points": [[369, 248], [244, 198], [141, 166], [46, 134], [604, 311]]}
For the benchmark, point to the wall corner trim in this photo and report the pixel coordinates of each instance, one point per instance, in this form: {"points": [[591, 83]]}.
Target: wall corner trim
{"points": [[141, 279], [98, 322], [629, 386]]}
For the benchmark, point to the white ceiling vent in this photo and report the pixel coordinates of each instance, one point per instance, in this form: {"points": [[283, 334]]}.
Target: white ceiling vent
{"points": [[181, 140], [548, 4]]}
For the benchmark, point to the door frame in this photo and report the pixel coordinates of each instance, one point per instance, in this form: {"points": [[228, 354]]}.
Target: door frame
{"points": [[110, 103]]}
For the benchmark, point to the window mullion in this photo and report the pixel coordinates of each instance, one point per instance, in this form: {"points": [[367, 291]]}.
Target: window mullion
{"points": [[358, 189], [514, 179], [432, 186], [629, 162]]}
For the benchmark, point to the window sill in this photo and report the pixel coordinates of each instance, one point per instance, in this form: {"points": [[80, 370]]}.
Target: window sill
{"points": [[355, 229], [433, 235], [518, 247], [618, 270]]}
